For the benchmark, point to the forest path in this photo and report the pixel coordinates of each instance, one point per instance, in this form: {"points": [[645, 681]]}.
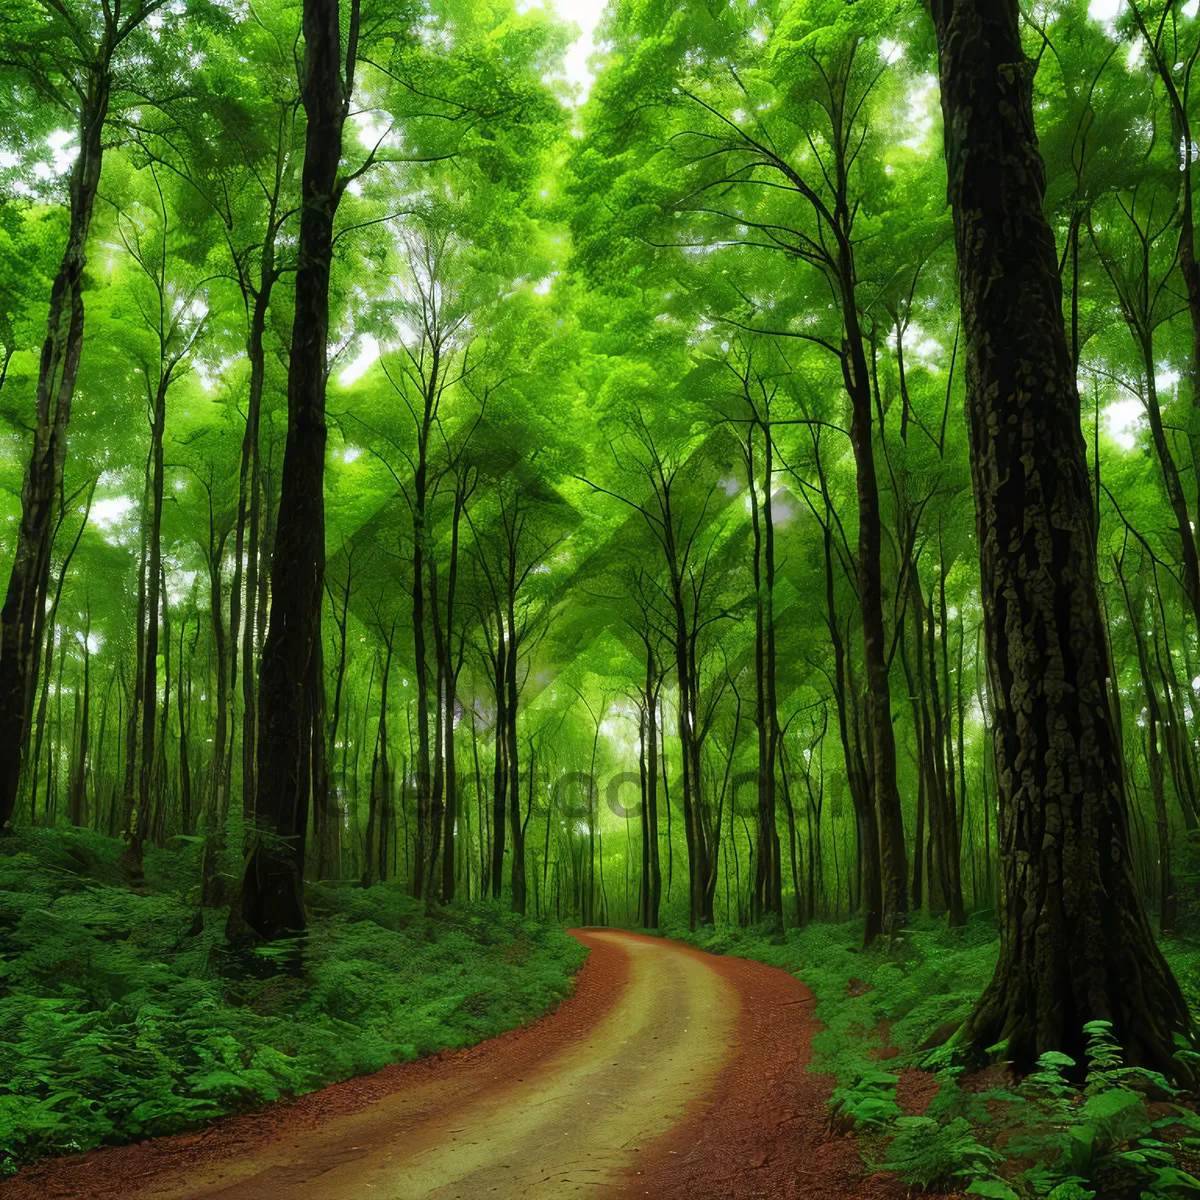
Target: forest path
{"points": [[667, 1073]]}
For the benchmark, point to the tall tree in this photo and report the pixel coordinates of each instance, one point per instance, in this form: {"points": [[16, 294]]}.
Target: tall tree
{"points": [[1075, 943], [272, 897], [78, 58]]}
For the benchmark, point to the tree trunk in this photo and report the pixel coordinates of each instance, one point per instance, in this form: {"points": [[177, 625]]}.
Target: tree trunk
{"points": [[51, 623], [249, 508], [182, 703], [1154, 766], [28, 582], [451, 670], [272, 899], [856, 773], [768, 884], [154, 597], [79, 780], [893, 868], [500, 772], [1075, 943], [132, 820], [424, 875], [513, 762]]}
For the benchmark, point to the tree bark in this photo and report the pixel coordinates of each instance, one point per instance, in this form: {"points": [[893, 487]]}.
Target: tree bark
{"points": [[28, 582], [1075, 942], [272, 899]]}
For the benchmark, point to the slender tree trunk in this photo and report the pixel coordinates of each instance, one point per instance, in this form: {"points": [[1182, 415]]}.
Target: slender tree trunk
{"points": [[154, 596], [500, 773], [450, 815], [220, 794], [183, 704], [437, 793], [1154, 766], [380, 815], [424, 875], [79, 780], [327, 815], [768, 886], [889, 836], [134, 821], [856, 775], [952, 842], [513, 762], [791, 819], [97, 807], [246, 551], [51, 623]]}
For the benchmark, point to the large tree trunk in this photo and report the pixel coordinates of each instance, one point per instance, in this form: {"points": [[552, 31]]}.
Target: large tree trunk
{"points": [[1075, 941], [25, 598], [272, 899]]}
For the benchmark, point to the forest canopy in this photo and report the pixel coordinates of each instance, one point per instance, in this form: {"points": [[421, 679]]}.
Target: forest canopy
{"points": [[756, 485]]}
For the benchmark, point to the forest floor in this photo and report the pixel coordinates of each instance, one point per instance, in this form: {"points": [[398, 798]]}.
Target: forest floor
{"points": [[668, 1072]]}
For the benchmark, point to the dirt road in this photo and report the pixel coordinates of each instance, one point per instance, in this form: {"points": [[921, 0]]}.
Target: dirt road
{"points": [[668, 1073]]}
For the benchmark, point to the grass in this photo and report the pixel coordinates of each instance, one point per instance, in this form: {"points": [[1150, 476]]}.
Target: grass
{"points": [[123, 1016]]}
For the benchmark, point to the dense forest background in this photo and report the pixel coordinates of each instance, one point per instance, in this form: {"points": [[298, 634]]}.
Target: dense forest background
{"points": [[647, 555], [591, 482]]}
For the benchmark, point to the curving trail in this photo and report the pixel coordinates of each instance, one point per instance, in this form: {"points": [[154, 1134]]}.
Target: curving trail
{"points": [[667, 1073]]}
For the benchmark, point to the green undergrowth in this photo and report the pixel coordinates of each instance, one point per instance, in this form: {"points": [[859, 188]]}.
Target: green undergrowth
{"points": [[124, 1016], [1121, 1134]]}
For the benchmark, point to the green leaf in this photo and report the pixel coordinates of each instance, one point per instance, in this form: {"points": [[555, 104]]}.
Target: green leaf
{"points": [[994, 1189]]}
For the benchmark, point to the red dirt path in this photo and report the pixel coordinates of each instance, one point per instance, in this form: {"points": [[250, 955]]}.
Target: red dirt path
{"points": [[765, 1132], [755, 1128]]}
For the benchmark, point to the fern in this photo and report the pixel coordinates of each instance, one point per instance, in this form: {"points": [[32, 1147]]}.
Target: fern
{"points": [[119, 1021], [930, 1155]]}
